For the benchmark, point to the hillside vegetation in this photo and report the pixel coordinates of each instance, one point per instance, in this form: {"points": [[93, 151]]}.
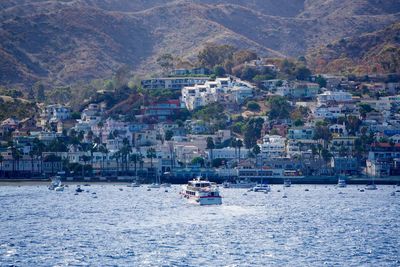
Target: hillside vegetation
{"points": [[377, 52]]}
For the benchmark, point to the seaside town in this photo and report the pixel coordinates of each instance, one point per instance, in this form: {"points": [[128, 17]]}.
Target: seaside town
{"points": [[226, 128]]}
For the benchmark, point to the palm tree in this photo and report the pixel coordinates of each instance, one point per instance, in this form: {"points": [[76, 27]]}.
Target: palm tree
{"points": [[16, 156], [233, 144], [239, 144], [38, 148], [85, 159], [210, 146], [1, 164], [135, 158], [117, 156], [151, 154], [125, 151], [101, 125], [103, 150], [32, 155]]}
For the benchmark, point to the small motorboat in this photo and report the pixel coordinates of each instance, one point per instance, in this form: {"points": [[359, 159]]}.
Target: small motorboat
{"points": [[55, 182], [287, 183], [341, 182], [306, 190], [135, 184], [154, 185], [59, 188], [262, 188], [371, 187]]}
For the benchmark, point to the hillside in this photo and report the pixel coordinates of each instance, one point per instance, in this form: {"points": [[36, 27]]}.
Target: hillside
{"points": [[62, 42], [377, 52]]}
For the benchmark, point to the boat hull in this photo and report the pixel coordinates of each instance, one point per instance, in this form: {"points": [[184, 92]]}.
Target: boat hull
{"points": [[205, 201]]}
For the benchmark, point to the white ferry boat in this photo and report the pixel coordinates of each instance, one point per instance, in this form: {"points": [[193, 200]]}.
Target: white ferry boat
{"points": [[202, 192]]}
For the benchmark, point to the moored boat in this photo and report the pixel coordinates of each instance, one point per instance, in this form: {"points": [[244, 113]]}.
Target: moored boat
{"points": [[55, 182], [242, 183], [341, 182], [371, 186], [287, 183], [202, 192], [262, 188], [154, 185]]}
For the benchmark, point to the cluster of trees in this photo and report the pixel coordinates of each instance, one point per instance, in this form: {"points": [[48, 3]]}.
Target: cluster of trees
{"points": [[279, 108]]}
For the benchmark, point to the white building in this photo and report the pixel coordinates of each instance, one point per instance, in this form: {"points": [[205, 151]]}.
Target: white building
{"points": [[220, 90], [228, 153], [55, 113], [274, 146], [329, 112], [330, 96]]}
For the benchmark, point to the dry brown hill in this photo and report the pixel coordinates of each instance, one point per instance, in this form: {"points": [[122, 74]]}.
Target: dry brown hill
{"points": [[66, 41], [377, 52]]}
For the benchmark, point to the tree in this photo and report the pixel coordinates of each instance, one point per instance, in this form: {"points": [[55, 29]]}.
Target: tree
{"points": [[326, 155], [85, 159], [253, 106], [213, 54], [103, 150], [166, 62], [151, 154], [242, 56], [216, 163], [52, 159], [252, 132], [135, 158], [302, 73], [1, 164], [168, 135], [219, 71], [198, 161], [321, 81], [210, 146], [322, 132], [298, 123], [364, 109], [279, 108], [353, 124], [239, 145], [16, 156], [248, 73], [256, 150]]}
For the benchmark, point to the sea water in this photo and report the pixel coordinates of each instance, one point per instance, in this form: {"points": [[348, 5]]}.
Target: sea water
{"points": [[122, 226]]}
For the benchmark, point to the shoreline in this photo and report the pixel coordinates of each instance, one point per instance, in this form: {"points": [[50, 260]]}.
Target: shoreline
{"points": [[273, 181]]}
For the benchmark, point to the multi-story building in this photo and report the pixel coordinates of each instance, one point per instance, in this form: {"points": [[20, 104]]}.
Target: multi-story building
{"points": [[334, 97], [298, 90], [54, 113], [173, 83], [301, 133], [274, 146], [223, 90]]}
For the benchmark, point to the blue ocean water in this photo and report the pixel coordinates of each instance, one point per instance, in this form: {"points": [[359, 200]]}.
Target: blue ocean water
{"points": [[133, 227]]}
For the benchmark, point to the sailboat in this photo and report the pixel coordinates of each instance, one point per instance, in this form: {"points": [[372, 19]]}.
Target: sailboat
{"points": [[156, 183], [371, 185]]}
